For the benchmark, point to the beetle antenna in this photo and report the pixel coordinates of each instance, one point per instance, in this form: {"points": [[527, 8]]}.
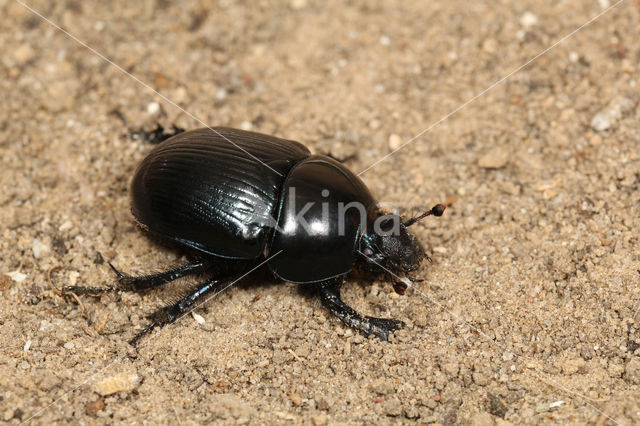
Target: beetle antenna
{"points": [[436, 210]]}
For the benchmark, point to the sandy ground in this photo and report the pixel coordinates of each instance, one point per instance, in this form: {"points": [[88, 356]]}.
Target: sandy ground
{"points": [[529, 313]]}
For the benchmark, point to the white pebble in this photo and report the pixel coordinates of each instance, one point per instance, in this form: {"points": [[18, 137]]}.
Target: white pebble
{"points": [[245, 125], [394, 141], [65, 226], [27, 345], [613, 112], [121, 382], [528, 19], [556, 404], [153, 108], [221, 93], [73, 277], [198, 318], [17, 276], [385, 40], [574, 57], [38, 248]]}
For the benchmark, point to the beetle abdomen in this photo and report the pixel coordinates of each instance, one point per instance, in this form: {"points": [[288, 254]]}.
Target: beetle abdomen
{"points": [[199, 189], [324, 208]]}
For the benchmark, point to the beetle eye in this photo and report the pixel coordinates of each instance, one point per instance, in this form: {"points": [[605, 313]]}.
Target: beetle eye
{"points": [[368, 252], [386, 225]]}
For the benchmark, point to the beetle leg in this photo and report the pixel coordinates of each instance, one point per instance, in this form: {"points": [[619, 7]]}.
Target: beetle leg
{"points": [[381, 327], [172, 312], [145, 282]]}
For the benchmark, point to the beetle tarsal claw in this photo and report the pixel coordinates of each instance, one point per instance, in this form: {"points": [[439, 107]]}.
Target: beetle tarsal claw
{"points": [[401, 285]]}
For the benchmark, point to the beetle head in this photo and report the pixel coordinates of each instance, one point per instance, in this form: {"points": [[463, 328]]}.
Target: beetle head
{"points": [[390, 246]]}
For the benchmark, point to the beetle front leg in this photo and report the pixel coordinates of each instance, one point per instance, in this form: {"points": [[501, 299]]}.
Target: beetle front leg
{"points": [[330, 296]]}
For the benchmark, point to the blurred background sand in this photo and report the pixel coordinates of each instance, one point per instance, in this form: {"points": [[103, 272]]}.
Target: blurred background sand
{"points": [[529, 313]]}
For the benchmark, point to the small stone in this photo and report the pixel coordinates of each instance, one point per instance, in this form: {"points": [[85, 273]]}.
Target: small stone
{"points": [[571, 366], [153, 108], [39, 248], [199, 319], [246, 125], [73, 278], [17, 276], [385, 40], [497, 407], [24, 365], [221, 93], [394, 141], [632, 371], [542, 407], [296, 399], [23, 54], [5, 282], [320, 420], [392, 407], [528, 19], [451, 369], [494, 159], [121, 382], [180, 95], [614, 111], [490, 45], [92, 408], [481, 419], [298, 4]]}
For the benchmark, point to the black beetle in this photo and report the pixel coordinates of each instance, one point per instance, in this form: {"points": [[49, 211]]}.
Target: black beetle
{"points": [[243, 199]]}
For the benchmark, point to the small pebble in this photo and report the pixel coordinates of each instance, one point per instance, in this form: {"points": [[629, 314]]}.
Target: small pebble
{"points": [[39, 248], [320, 420], [121, 382], [614, 111], [153, 108], [246, 125], [496, 158], [221, 93], [528, 19], [296, 399], [392, 407], [298, 4], [92, 408], [394, 141], [23, 54], [17, 276], [199, 319]]}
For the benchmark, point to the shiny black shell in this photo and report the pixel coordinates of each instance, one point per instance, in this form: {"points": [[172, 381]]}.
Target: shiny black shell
{"points": [[201, 190], [324, 246]]}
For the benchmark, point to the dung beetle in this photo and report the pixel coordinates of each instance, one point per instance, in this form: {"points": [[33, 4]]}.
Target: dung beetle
{"points": [[241, 199]]}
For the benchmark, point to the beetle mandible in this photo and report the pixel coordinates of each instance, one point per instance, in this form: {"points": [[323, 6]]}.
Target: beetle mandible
{"points": [[240, 199]]}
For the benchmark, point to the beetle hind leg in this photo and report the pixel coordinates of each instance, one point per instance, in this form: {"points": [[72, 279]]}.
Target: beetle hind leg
{"points": [[381, 327], [147, 282], [172, 312], [144, 282]]}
